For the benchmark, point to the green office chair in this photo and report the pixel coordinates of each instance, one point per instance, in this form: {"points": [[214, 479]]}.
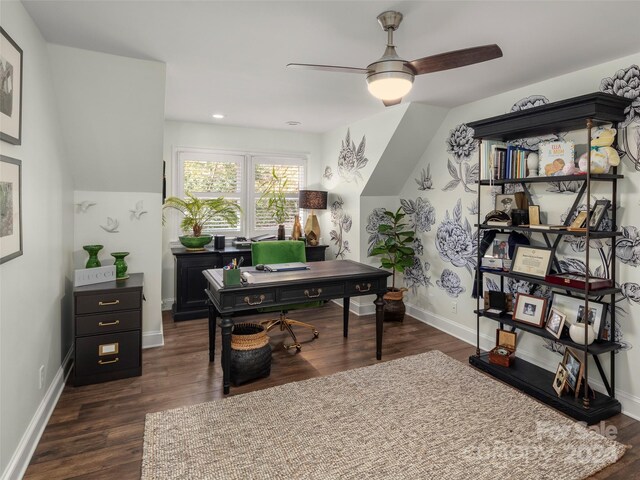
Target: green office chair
{"points": [[283, 251]]}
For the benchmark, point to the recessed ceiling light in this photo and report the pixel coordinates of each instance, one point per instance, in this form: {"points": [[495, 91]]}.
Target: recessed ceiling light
{"points": [[218, 116], [293, 123]]}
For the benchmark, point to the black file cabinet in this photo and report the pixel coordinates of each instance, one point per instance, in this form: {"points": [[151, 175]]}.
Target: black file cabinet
{"points": [[108, 330]]}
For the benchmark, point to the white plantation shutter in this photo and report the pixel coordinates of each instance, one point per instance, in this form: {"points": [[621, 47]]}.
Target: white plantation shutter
{"points": [[238, 176]]}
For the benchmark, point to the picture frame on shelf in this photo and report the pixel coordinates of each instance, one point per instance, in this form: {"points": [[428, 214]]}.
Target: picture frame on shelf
{"points": [[532, 261], [11, 90], [560, 380], [530, 309], [575, 370], [534, 215], [499, 246], [554, 157], [598, 211], [579, 222], [573, 308], [505, 202], [10, 208], [555, 322]]}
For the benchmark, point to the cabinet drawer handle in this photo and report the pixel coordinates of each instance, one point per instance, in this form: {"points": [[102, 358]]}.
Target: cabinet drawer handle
{"points": [[362, 289], [108, 324], [309, 295], [104, 304], [106, 362], [256, 300]]}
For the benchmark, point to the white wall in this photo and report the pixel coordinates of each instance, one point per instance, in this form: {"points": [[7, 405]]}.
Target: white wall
{"points": [[35, 317], [140, 237], [112, 114], [434, 305], [221, 137]]}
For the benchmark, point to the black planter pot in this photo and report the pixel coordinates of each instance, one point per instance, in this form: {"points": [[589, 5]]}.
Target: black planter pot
{"points": [[394, 308], [250, 353]]}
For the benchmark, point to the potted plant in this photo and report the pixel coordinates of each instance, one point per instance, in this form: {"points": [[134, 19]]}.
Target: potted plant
{"points": [[274, 192], [397, 253], [197, 212]]}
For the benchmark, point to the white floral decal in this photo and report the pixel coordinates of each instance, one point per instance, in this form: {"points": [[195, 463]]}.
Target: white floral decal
{"points": [[328, 174], [455, 241], [417, 275], [421, 213], [425, 182], [461, 145], [351, 160], [342, 220], [450, 283]]}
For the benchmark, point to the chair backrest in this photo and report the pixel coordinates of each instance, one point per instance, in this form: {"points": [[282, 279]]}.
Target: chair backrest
{"points": [[279, 251]]}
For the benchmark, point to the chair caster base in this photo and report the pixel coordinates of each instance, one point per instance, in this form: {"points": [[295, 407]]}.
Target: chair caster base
{"points": [[297, 346], [316, 334]]}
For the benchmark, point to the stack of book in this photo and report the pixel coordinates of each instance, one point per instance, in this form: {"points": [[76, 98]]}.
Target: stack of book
{"points": [[502, 161]]}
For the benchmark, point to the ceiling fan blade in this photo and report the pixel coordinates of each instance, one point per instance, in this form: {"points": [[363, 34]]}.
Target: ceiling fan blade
{"points": [[390, 103], [455, 59], [327, 68]]}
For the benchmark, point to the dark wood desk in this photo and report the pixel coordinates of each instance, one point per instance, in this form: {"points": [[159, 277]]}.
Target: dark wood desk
{"points": [[323, 281], [190, 299]]}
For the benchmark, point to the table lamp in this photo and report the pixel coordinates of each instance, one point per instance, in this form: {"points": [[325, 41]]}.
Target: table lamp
{"points": [[312, 200]]}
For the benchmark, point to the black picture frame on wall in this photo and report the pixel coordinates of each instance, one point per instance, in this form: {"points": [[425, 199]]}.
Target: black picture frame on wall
{"points": [[10, 90], [10, 208]]}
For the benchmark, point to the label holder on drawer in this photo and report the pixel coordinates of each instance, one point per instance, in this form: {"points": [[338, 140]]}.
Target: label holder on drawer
{"points": [[108, 349]]}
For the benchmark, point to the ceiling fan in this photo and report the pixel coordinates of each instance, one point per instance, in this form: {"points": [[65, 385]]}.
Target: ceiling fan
{"points": [[390, 78]]}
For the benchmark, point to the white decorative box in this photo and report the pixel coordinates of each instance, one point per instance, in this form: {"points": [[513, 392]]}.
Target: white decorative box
{"points": [[89, 276]]}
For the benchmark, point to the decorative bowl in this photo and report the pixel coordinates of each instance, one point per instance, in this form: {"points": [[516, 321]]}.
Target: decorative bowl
{"points": [[195, 243]]}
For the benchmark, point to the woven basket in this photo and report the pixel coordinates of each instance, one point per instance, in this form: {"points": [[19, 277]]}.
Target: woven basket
{"points": [[248, 336]]}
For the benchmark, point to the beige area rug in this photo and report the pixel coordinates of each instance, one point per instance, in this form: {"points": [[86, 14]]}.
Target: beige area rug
{"points": [[421, 417]]}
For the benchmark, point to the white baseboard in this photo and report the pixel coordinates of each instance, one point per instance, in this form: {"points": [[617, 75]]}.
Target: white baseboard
{"points": [[630, 403], [167, 303], [359, 306], [22, 456], [152, 339]]}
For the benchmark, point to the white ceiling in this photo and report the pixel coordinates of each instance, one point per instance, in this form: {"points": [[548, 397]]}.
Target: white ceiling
{"points": [[230, 56]]}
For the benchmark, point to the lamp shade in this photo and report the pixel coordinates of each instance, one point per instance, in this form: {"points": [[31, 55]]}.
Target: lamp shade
{"points": [[312, 199]]}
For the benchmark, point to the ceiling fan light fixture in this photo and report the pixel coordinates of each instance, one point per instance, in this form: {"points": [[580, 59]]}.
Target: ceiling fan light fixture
{"points": [[389, 85]]}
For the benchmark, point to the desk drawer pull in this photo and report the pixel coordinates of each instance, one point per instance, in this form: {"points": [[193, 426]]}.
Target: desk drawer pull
{"points": [[108, 324], [317, 294], [255, 300], [362, 289], [107, 362], [104, 304]]}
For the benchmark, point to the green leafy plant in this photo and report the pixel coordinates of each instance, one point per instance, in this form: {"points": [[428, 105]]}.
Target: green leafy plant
{"points": [[274, 192], [198, 211], [395, 247]]}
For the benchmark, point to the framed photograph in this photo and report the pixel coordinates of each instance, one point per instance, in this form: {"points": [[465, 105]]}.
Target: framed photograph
{"points": [[534, 215], [575, 368], [10, 90], [499, 246], [573, 308], [597, 213], [530, 309], [532, 261], [579, 221], [10, 208], [554, 156], [505, 203], [560, 380], [555, 322]]}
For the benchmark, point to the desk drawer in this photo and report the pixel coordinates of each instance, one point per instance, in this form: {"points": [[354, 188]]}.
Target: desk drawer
{"points": [[107, 302], [108, 322], [306, 294], [258, 299], [368, 287], [107, 353]]}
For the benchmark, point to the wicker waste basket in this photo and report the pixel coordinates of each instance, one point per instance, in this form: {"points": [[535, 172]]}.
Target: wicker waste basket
{"points": [[250, 353]]}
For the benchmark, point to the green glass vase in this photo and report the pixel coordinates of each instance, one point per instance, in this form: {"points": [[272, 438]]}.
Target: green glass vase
{"points": [[92, 250], [121, 265]]}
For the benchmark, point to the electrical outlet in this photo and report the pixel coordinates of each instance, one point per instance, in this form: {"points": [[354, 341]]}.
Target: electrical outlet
{"points": [[454, 307], [41, 377]]}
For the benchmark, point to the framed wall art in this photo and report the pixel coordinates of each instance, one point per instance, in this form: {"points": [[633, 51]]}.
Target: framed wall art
{"points": [[10, 208], [530, 309], [597, 213], [10, 89], [573, 308], [532, 261]]}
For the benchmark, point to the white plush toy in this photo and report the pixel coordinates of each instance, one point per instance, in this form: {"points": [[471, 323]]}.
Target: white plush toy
{"points": [[603, 155]]}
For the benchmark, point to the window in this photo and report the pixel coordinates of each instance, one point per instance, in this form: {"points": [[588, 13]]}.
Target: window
{"points": [[239, 177]]}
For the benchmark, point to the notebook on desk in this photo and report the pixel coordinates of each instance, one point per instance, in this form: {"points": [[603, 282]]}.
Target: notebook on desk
{"points": [[286, 267]]}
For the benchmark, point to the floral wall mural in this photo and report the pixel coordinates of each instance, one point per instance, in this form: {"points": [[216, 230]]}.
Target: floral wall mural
{"points": [[351, 159], [462, 145], [425, 182], [450, 283], [342, 221], [455, 241]]}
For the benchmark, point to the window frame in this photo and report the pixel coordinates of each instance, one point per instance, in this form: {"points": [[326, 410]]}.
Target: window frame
{"points": [[247, 194]]}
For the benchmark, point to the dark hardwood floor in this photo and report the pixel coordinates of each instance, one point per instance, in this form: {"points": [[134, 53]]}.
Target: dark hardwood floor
{"points": [[96, 431]]}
